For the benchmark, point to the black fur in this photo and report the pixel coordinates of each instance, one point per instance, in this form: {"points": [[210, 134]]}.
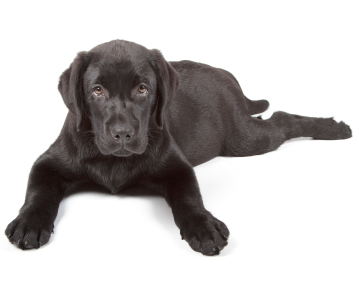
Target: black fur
{"points": [[125, 135]]}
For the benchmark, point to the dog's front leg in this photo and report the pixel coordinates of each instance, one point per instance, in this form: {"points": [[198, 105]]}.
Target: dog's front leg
{"points": [[33, 226], [203, 232]]}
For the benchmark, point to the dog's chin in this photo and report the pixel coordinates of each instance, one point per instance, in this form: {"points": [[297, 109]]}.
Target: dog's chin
{"points": [[119, 152], [122, 153]]}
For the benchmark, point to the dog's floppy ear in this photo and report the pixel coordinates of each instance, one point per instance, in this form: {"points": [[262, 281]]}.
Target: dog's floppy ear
{"points": [[71, 87], [167, 84]]}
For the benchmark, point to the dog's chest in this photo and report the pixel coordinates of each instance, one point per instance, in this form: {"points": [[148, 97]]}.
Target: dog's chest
{"points": [[114, 174]]}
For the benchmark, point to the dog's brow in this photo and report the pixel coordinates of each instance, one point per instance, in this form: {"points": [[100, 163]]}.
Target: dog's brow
{"points": [[92, 75], [139, 79]]}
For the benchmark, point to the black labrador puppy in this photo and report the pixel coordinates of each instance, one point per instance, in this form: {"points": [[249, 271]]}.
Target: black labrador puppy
{"points": [[135, 119]]}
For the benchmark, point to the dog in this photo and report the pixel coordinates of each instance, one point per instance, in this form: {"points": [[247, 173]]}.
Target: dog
{"points": [[136, 119]]}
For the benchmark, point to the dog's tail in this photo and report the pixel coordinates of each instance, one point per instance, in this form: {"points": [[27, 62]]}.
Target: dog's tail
{"points": [[256, 106]]}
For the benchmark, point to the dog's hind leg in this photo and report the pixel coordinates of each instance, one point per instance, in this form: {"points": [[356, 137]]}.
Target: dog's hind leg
{"points": [[255, 136]]}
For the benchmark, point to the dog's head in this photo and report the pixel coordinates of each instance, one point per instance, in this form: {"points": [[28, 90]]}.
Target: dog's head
{"points": [[123, 89]]}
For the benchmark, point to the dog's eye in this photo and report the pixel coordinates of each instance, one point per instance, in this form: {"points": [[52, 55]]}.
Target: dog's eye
{"points": [[98, 90], [142, 89]]}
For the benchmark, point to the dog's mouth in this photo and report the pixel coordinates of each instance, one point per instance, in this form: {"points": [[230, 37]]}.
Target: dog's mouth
{"points": [[122, 153], [119, 149]]}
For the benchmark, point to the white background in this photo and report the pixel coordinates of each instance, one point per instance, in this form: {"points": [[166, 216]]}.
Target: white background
{"points": [[293, 213]]}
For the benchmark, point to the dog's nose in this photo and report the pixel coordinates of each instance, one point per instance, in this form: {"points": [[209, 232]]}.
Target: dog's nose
{"points": [[124, 133]]}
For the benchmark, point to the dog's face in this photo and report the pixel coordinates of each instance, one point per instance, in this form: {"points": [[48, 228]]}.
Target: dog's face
{"points": [[121, 96], [123, 89]]}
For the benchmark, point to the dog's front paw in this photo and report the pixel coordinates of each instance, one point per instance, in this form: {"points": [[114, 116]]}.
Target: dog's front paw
{"points": [[27, 232], [204, 233]]}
